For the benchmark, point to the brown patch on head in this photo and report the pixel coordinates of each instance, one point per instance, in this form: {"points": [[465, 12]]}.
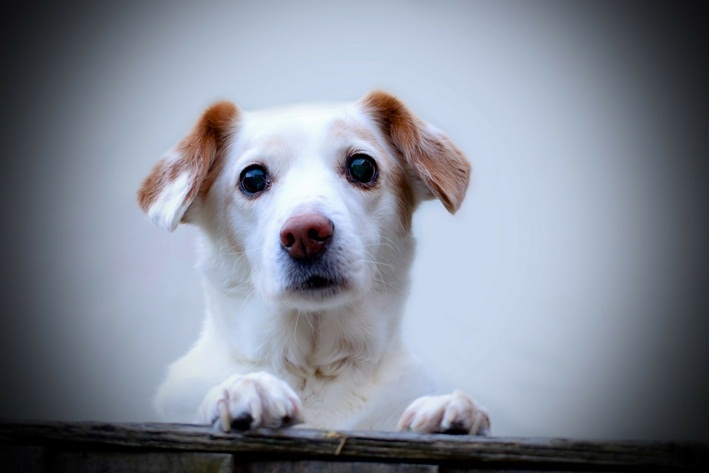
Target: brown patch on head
{"points": [[199, 155], [405, 198], [430, 155]]}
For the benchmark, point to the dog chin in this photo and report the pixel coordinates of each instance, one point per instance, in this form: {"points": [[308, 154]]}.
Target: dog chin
{"points": [[317, 293]]}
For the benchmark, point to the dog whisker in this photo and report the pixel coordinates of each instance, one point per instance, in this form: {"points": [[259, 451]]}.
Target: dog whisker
{"points": [[238, 287], [246, 299], [379, 263]]}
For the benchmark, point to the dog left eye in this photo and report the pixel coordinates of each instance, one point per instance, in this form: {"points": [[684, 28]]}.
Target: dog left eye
{"points": [[254, 179], [362, 168]]}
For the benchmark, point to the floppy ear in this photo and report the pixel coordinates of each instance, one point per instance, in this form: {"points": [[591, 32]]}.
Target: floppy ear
{"points": [[188, 170], [431, 156]]}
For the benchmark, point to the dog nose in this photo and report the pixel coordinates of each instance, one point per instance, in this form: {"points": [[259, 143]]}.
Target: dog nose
{"points": [[305, 236]]}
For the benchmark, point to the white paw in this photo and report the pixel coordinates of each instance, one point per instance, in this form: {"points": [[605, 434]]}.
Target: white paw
{"points": [[451, 413], [249, 401]]}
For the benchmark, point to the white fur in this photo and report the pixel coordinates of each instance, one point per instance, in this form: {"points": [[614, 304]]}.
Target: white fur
{"points": [[333, 362], [170, 206]]}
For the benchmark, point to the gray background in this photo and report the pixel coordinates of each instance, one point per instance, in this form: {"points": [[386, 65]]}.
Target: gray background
{"points": [[569, 293]]}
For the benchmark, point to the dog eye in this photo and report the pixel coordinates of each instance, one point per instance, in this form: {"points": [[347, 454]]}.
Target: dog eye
{"points": [[254, 179], [362, 168]]}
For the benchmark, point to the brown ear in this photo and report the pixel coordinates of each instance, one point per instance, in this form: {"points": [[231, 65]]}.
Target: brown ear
{"points": [[432, 157], [189, 168]]}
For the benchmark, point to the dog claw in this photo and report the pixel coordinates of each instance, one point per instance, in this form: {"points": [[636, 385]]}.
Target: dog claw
{"points": [[224, 420], [242, 421]]}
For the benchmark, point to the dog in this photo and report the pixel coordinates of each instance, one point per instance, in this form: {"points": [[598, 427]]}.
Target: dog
{"points": [[305, 216]]}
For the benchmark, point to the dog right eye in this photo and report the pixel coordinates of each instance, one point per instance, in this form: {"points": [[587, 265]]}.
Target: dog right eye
{"points": [[362, 169], [254, 179]]}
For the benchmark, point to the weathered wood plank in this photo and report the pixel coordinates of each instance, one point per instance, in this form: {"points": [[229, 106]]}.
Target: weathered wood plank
{"points": [[27, 459], [333, 467], [383, 447], [148, 462]]}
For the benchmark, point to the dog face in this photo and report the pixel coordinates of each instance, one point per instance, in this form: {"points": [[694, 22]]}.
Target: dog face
{"points": [[309, 207], [309, 183]]}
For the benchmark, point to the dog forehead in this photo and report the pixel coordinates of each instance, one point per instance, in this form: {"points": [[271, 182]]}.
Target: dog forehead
{"points": [[294, 117], [314, 122]]}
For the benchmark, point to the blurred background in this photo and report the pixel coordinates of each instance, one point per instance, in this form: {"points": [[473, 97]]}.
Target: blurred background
{"points": [[569, 294]]}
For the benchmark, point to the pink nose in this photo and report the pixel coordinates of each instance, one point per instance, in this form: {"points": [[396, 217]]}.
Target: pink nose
{"points": [[305, 236]]}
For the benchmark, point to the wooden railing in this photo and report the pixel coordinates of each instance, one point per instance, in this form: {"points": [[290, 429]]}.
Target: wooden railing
{"points": [[101, 447]]}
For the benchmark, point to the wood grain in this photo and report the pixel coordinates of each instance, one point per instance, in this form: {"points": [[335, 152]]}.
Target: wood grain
{"points": [[32, 440]]}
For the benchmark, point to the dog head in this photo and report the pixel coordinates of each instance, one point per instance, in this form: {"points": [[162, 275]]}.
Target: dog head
{"points": [[306, 206]]}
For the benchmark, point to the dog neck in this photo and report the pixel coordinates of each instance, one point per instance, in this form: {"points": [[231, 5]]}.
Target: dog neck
{"points": [[304, 343]]}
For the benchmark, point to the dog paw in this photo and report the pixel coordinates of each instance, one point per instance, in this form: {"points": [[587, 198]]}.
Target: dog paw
{"points": [[453, 413], [249, 401]]}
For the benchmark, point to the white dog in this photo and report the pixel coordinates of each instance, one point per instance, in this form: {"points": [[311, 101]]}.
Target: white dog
{"points": [[305, 216]]}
